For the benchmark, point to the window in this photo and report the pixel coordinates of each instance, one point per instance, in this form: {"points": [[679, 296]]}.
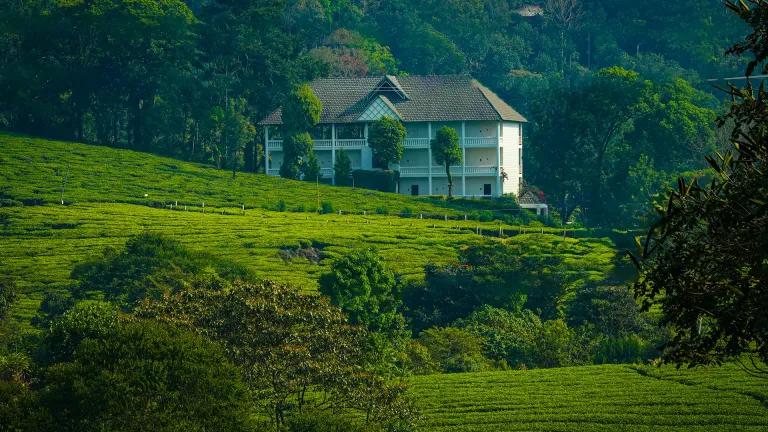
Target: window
{"points": [[487, 189]]}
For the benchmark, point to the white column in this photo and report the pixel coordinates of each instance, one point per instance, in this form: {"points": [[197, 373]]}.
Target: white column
{"points": [[266, 149], [498, 161], [333, 152], [429, 154], [463, 160]]}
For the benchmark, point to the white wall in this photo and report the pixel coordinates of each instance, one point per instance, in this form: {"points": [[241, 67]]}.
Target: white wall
{"points": [[481, 157], [484, 129], [511, 148], [417, 130], [415, 158], [406, 183], [475, 185]]}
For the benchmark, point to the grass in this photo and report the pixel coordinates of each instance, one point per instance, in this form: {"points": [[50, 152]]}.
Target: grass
{"points": [[615, 397], [40, 244], [34, 170]]}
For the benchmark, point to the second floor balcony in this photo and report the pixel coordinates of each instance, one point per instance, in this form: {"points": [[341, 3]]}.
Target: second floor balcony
{"points": [[410, 143]]}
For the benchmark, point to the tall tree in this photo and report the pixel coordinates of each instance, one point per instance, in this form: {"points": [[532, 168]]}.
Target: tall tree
{"points": [[704, 261], [386, 137], [446, 152]]}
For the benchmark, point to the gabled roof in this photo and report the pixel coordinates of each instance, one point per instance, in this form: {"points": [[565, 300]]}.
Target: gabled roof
{"points": [[436, 98]]}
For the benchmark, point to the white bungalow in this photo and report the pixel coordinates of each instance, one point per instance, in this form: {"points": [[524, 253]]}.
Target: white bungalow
{"points": [[490, 131]]}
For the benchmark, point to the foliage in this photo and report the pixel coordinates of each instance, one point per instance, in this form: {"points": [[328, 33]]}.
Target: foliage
{"points": [[625, 349], [86, 321], [295, 350], [454, 350], [611, 309], [150, 265], [386, 137], [301, 110], [446, 152], [342, 168], [295, 149], [311, 168], [231, 131], [507, 336], [366, 290], [704, 261], [495, 274], [168, 378], [384, 181], [7, 296]]}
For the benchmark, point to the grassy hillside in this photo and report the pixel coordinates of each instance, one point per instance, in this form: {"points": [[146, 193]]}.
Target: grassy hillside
{"points": [[594, 398], [34, 171], [40, 244], [41, 240]]}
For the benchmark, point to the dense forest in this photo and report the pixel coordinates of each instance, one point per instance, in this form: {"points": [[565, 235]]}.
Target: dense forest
{"points": [[614, 89]]}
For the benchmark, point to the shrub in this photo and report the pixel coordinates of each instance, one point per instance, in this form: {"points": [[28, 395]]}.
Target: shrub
{"points": [[342, 168], [7, 295], [149, 265], [406, 212], [611, 309], [625, 349], [311, 168], [326, 207], [384, 181], [455, 350]]}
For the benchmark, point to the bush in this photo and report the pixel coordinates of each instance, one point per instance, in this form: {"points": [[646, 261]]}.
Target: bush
{"points": [[323, 421], [626, 349], [150, 265], [145, 375], [7, 295], [386, 137], [406, 212], [384, 181], [455, 350], [611, 309], [326, 207]]}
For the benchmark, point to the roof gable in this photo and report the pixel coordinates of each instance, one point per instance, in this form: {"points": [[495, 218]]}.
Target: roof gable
{"points": [[378, 108]]}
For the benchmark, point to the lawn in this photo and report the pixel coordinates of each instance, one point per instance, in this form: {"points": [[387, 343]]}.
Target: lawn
{"points": [[594, 398]]}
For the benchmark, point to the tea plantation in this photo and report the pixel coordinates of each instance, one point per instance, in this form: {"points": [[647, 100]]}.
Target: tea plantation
{"points": [[41, 240], [594, 398]]}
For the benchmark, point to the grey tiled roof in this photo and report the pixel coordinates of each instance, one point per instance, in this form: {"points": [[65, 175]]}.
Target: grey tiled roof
{"points": [[430, 98]]}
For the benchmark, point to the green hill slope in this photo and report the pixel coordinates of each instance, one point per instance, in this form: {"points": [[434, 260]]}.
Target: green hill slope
{"points": [[41, 240], [34, 170], [594, 398]]}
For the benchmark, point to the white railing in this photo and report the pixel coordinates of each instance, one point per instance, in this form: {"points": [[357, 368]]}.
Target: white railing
{"points": [[416, 143], [275, 144], [274, 172], [481, 142], [322, 144], [351, 143], [414, 171], [480, 170], [326, 172]]}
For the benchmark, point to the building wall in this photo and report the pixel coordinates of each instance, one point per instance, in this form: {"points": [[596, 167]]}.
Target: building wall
{"points": [[511, 157], [440, 186], [476, 185], [406, 183], [415, 158], [481, 156], [485, 129]]}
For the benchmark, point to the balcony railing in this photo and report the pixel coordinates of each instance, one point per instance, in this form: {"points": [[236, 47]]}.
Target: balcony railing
{"points": [[439, 171], [481, 142], [416, 143], [410, 143]]}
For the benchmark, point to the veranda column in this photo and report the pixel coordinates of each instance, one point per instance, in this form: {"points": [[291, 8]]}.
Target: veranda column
{"points": [[498, 161], [333, 152], [266, 150], [429, 154], [463, 160]]}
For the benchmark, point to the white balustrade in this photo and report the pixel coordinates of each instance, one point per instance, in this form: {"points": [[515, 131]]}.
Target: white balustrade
{"points": [[416, 143]]}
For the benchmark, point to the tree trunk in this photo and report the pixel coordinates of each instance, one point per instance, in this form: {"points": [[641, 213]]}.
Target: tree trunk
{"points": [[450, 180]]}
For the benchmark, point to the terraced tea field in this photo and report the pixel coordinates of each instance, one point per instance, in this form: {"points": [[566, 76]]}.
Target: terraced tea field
{"points": [[39, 245], [594, 398]]}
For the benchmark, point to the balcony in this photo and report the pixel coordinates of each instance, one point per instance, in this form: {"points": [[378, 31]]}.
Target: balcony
{"points": [[474, 142], [416, 143], [439, 171]]}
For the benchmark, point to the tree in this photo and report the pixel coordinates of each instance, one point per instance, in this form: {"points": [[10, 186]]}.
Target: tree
{"points": [[7, 296], [455, 350], [386, 137], [311, 168], [150, 265], [611, 309], [704, 261], [342, 169], [140, 369], [232, 131], [297, 351], [446, 152], [301, 110], [295, 148], [565, 14], [367, 291]]}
